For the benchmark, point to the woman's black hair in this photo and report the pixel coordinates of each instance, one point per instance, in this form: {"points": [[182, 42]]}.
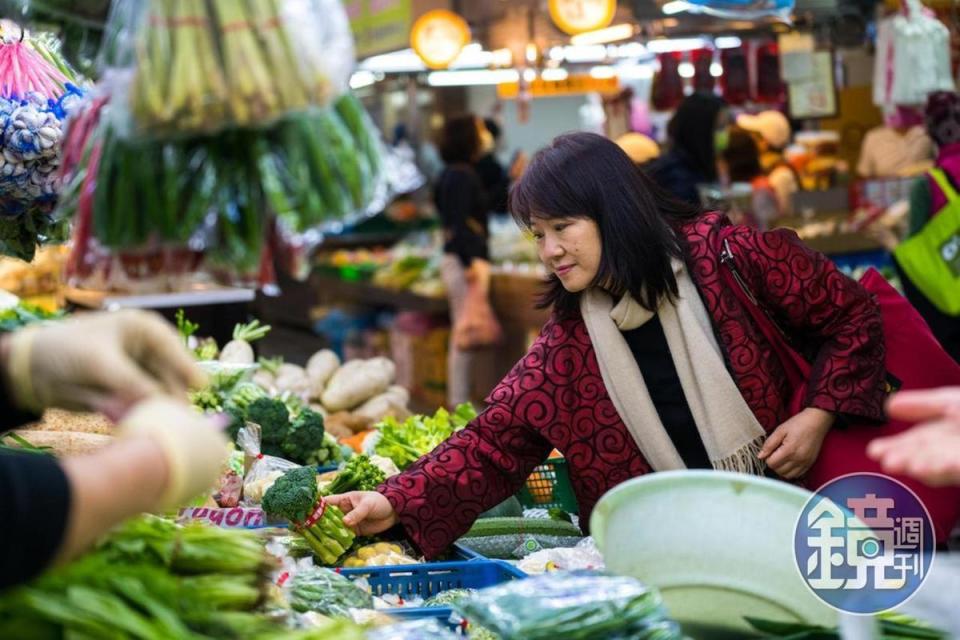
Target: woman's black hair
{"points": [[584, 175], [460, 142], [742, 156], [691, 131]]}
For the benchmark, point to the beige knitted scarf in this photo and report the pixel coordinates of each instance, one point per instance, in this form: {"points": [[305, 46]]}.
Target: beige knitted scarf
{"points": [[730, 432]]}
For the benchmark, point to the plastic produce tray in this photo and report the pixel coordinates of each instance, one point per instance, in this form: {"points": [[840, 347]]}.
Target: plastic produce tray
{"points": [[549, 486], [427, 580]]}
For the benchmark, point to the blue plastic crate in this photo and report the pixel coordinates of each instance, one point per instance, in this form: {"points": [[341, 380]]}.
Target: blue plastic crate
{"points": [[427, 580]]}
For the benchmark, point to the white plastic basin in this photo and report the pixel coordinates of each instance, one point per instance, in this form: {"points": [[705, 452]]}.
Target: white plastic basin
{"points": [[718, 545]]}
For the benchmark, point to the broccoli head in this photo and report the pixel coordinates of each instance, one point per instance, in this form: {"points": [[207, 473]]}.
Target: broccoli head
{"points": [[272, 416], [359, 474], [305, 436], [293, 495]]}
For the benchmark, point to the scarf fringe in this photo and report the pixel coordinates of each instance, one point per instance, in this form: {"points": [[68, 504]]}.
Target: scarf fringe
{"points": [[745, 459]]}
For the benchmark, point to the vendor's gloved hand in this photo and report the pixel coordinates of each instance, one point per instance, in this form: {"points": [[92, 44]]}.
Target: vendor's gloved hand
{"points": [[104, 362], [195, 446]]}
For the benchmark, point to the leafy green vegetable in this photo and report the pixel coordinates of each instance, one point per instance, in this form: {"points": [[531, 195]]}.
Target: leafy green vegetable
{"points": [[151, 579], [359, 474], [184, 327], [407, 442], [250, 332]]}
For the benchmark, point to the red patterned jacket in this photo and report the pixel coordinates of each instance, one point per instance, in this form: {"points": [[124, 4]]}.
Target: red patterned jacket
{"points": [[555, 396]]}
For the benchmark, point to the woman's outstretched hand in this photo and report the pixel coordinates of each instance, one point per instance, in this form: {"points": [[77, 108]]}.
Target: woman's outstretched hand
{"points": [[366, 512]]}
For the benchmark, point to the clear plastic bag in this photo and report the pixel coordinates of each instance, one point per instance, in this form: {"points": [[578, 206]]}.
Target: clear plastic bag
{"points": [[580, 604], [261, 470], [185, 67], [154, 214], [37, 94], [428, 629], [585, 555], [325, 591]]}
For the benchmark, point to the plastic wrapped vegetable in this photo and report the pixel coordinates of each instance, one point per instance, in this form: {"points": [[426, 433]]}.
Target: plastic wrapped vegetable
{"points": [[449, 597], [378, 554], [294, 496], [576, 605], [196, 67], [358, 381], [326, 592], [427, 629], [262, 470], [512, 538]]}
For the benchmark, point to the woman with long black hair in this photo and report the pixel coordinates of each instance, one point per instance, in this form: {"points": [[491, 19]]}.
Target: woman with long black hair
{"points": [[696, 133], [649, 363]]}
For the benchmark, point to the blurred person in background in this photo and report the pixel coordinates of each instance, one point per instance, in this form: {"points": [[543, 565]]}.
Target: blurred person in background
{"points": [[927, 199], [463, 206], [132, 367], [771, 132], [741, 163], [696, 132], [496, 179], [642, 149], [899, 147]]}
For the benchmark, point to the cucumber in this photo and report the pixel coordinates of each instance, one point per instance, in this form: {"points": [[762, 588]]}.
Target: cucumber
{"points": [[518, 526]]}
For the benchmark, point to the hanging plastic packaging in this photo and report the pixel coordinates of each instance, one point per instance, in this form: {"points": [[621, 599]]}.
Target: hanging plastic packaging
{"points": [[184, 67], [913, 58], [36, 96], [151, 214]]}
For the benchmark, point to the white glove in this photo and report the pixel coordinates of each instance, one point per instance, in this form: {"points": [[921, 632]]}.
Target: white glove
{"points": [[104, 362], [195, 446]]}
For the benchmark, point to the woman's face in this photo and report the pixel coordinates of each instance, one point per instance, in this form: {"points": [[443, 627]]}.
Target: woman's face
{"points": [[570, 248]]}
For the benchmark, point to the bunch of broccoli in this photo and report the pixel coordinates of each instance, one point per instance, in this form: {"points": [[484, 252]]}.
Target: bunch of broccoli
{"points": [[294, 496], [297, 438]]}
